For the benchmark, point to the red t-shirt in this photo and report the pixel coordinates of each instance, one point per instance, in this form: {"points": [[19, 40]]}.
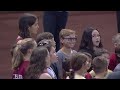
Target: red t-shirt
{"points": [[113, 62], [19, 73], [88, 76]]}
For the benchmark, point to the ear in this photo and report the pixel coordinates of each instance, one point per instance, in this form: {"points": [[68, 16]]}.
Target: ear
{"points": [[61, 40], [106, 70], [28, 28], [29, 50], [84, 64], [115, 45]]}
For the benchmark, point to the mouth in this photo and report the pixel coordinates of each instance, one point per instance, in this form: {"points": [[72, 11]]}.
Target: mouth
{"points": [[97, 42], [72, 44]]}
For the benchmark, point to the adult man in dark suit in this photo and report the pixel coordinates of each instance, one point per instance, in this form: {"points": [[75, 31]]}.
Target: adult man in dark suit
{"points": [[54, 21]]}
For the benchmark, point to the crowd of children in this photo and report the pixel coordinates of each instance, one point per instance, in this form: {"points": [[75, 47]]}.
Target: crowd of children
{"points": [[34, 55]]}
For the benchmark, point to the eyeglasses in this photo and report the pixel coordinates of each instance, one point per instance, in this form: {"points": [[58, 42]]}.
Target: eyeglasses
{"points": [[71, 39]]}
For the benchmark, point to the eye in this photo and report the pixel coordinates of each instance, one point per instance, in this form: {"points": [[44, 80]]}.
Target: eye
{"points": [[93, 35]]}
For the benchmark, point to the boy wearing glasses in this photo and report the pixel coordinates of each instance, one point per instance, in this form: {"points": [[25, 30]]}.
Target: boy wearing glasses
{"points": [[67, 40], [115, 57]]}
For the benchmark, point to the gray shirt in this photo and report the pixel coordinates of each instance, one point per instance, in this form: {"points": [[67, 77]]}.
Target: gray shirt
{"points": [[61, 58], [51, 73]]}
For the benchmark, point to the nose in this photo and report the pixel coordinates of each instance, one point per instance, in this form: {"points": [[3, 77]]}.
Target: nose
{"points": [[56, 57], [97, 38], [38, 26], [54, 43]]}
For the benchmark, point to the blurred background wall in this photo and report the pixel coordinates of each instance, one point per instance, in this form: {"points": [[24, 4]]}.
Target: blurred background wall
{"points": [[105, 21]]}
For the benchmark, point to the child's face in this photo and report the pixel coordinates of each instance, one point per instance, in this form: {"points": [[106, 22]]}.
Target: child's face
{"points": [[86, 66], [34, 28], [53, 42], [48, 63], [53, 56], [89, 63], [95, 38], [117, 51], [69, 41]]}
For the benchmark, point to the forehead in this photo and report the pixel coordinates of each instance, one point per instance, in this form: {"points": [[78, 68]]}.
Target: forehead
{"points": [[36, 22], [71, 35], [52, 39], [95, 32]]}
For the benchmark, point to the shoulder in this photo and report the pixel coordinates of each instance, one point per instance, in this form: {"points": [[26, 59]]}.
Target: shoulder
{"points": [[60, 53], [113, 56], [110, 71], [19, 38], [74, 51], [92, 73], [114, 75], [45, 76], [117, 68]]}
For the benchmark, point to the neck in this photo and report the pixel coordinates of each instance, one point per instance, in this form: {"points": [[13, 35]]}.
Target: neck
{"points": [[80, 72], [95, 47], [100, 76], [33, 36], [78, 76], [27, 58], [66, 50]]}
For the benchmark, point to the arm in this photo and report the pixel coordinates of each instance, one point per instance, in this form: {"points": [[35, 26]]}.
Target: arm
{"points": [[45, 76]]}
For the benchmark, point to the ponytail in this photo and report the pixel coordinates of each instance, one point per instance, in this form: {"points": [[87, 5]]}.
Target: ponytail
{"points": [[20, 50], [71, 76], [17, 57]]}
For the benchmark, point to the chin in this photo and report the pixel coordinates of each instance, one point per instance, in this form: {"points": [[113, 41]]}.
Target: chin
{"points": [[97, 45], [72, 45]]}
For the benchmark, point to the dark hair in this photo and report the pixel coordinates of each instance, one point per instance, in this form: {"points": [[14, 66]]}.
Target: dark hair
{"points": [[26, 21], [87, 54], [37, 63], [101, 51], [76, 62], [44, 35], [20, 50], [86, 41]]}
